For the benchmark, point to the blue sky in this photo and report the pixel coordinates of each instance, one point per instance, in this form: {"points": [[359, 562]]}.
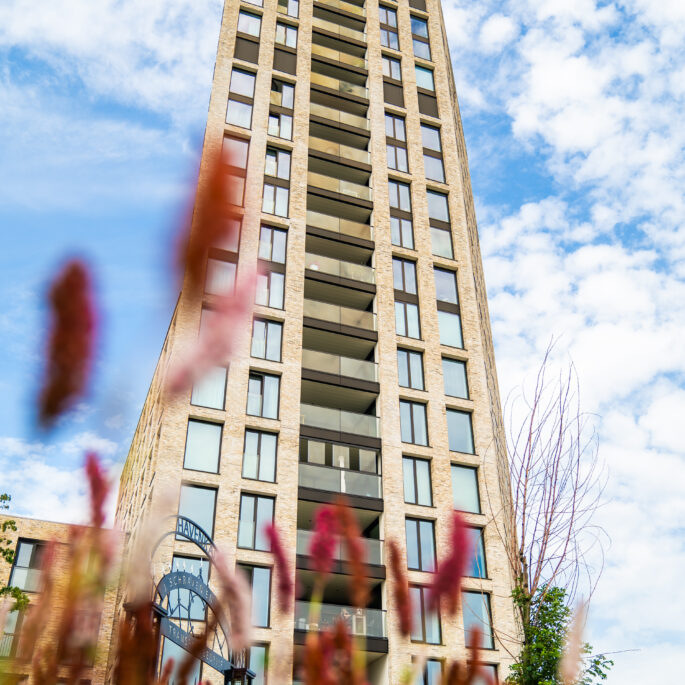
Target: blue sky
{"points": [[574, 126]]}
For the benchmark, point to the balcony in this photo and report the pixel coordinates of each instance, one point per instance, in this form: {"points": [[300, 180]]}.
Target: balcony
{"points": [[340, 85], [335, 224], [345, 316], [338, 55], [339, 185], [342, 481], [338, 116], [374, 548], [337, 267], [339, 150], [345, 6], [338, 29], [360, 622], [340, 366], [339, 420]]}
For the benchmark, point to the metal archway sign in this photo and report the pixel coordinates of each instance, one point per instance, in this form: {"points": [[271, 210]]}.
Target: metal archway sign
{"points": [[181, 591]]}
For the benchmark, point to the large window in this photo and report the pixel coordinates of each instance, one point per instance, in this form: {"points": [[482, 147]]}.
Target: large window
{"points": [[424, 78], [454, 375], [425, 623], [262, 395], [445, 285], [396, 142], [459, 431], [266, 339], [419, 34], [477, 568], [410, 369], [286, 34], [240, 98], [437, 206], [400, 197], [249, 23], [272, 244], [282, 94], [441, 242], [197, 504], [259, 455], [413, 422], [289, 7], [417, 481], [476, 608], [420, 545], [210, 390], [171, 650], [270, 289], [220, 279], [432, 673], [203, 446], [432, 153], [404, 275], [275, 200], [277, 163], [255, 514], [465, 489], [388, 21], [407, 319], [258, 659], [183, 601], [449, 325], [235, 153], [280, 125], [402, 233], [392, 68], [26, 572], [260, 581]]}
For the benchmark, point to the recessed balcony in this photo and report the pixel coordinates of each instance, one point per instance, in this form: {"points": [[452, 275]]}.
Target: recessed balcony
{"points": [[340, 186], [339, 150], [360, 622], [344, 316], [340, 366], [335, 224], [337, 115], [344, 87], [339, 56], [346, 6], [339, 268], [342, 481], [373, 548], [338, 29], [339, 421]]}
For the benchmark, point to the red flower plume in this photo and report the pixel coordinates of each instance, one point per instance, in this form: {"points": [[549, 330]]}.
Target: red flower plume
{"points": [[285, 582], [70, 344]]}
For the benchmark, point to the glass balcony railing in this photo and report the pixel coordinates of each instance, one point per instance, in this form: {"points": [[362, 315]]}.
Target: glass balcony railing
{"points": [[339, 185], [347, 6], [339, 366], [339, 85], [361, 622], [6, 644], [339, 56], [332, 479], [337, 267], [337, 115], [339, 420], [345, 316], [337, 225], [339, 30], [339, 150], [374, 548]]}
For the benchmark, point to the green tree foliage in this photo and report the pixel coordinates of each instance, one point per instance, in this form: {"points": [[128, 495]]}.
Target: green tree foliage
{"points": [[545, 640], [21, 600]]}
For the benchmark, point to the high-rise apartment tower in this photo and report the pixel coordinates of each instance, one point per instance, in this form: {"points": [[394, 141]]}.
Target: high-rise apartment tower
{"points": [[370, 368]]}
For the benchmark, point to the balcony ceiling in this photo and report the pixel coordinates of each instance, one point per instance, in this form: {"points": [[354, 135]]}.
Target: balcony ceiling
{"points": [[336, 397]]}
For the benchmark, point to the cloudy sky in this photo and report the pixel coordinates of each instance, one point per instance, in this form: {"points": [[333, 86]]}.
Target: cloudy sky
{"points": [[573, 113]]}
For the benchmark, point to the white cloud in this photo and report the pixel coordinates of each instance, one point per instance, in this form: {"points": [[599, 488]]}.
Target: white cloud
{"points": [[496, 31], [47, 481]]}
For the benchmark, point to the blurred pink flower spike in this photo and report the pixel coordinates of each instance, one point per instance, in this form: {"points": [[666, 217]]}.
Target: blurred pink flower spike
{"points": [[69, 354], [218, 339], [285, 583], [447, 579], [324, 540]]}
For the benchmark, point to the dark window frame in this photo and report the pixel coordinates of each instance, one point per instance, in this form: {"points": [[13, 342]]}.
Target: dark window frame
{"points": [[261, 376], [408, 354], [475, 469], [248, 570], [388, 29], [392, 61], [423, 610], [192, 419], [197, 486], [405, 459], [412, 404], [260, 433], [421, 39], [431, 564], [267, 323], [256, 498], [405, 303]]}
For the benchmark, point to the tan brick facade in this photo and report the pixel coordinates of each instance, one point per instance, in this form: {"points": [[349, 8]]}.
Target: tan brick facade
{"points": [[154, 469]]}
